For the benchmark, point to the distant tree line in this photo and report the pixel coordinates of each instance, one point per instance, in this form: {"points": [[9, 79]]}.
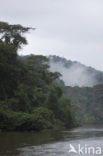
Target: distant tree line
{"points": [[89, 103]]}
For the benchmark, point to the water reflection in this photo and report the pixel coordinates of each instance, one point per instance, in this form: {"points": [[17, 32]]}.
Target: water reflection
{"points": [[49, 143]]}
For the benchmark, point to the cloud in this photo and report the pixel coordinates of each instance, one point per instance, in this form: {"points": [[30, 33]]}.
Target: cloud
{"points": [[75, 74], [69, 28]]}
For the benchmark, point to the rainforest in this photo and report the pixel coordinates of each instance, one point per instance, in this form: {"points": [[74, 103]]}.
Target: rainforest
{"points": [[32, 97]]}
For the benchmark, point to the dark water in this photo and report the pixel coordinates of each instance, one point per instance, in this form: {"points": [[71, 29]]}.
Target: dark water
{"points": [[52, 143]]}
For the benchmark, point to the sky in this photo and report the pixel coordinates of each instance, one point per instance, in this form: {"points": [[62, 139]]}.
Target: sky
{"points": [[69, 28]]}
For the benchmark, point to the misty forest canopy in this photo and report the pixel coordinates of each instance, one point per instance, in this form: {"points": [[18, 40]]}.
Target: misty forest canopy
{"points": [[84, 88], [87, 101], [30, 97], [75, 73], [33, 95]]}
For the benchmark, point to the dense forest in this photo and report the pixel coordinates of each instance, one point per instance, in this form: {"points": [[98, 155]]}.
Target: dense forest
{"points": [[89, 103], [85, 88], [30, 95], [35, 95]]}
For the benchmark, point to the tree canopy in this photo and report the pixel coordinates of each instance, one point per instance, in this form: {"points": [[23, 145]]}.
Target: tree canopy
{"points": [[13, 34], [29, 93]]}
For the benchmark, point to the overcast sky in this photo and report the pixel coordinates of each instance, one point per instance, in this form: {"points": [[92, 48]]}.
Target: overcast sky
{"points": [[69, 28]]}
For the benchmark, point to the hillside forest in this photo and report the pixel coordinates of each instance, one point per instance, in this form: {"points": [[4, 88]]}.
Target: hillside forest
{"points": [[32, 97]]}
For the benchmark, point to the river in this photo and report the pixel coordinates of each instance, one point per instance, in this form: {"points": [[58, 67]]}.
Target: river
{"points": [[85, 140]]}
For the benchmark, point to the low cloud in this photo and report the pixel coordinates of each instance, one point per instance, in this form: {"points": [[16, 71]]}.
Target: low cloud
{"points": [[74, 73]]}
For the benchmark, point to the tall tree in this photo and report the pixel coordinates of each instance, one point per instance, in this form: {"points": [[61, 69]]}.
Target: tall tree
{"points": [[13, 34]]}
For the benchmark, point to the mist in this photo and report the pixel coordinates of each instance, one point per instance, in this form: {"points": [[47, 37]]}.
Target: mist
{"points": [[74, 73]]}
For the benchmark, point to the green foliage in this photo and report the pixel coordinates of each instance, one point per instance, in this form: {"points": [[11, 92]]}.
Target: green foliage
{"points": [[41, 118], [44, 118], [66, 112], [13, 34], [30, 97], [98, 103], [89, 103], [8, 70]]}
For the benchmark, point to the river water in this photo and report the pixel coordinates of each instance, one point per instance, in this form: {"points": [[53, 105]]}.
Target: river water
{"points": [[85, 140]]}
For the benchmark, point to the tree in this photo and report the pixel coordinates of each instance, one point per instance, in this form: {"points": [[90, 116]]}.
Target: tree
{"points": [[29, 92], [8, 70], [11, 39], [13, 34]]}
